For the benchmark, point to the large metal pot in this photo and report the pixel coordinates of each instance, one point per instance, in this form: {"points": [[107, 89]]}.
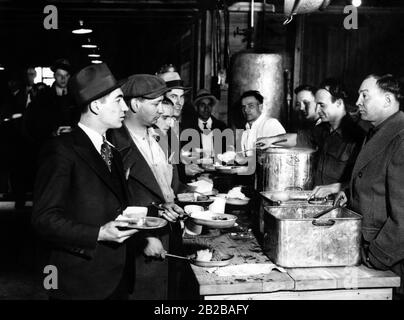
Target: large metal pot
{"points": [[280, 169]]}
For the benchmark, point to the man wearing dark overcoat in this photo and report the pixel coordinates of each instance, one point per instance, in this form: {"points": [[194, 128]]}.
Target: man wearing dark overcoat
{"points": [[376, 188], [80, 191]]}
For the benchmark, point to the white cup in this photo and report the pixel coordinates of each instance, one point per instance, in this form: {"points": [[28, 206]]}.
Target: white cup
{"points": [[192, 228], [218, 205]]}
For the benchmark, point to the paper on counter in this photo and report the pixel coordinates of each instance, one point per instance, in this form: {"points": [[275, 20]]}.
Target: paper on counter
{"points": [[245, 269]]}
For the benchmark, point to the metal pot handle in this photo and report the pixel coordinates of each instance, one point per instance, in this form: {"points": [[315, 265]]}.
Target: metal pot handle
{"points": [[317, 201], [319, 223], [293, 189]]}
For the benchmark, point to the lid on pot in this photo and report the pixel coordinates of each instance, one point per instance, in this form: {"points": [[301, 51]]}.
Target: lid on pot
{"points": [[289, 150]]}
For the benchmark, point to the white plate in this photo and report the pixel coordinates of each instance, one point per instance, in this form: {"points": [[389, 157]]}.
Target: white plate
{"points": [[237, 201]]}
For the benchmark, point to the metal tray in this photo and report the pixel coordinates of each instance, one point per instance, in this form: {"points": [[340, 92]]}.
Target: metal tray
{"points": [[292, 238]]}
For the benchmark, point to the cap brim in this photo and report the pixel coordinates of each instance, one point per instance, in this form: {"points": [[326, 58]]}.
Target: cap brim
{"points": [[180, 87], [155, 94], [105, 92]]}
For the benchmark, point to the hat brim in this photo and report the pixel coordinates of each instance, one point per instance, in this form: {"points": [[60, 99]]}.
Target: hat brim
{"points": [[62, 67], [180, 87], [156, 94], [212, 97], [119, 84], [153, 95]]}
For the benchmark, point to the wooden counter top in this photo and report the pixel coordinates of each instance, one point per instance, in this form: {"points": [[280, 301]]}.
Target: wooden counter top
{"points": [[349, 279]]}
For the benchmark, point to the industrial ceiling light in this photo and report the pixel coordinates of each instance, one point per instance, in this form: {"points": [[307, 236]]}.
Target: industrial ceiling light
{"points": [[356, 3], [2, 68], [94, 54], [89, 44], [294, 7], [81, 29], [96, 61]]}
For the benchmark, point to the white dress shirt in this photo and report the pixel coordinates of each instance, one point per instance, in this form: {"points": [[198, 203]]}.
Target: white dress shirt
{"points": [[94, 136], [262, 127], [157, 161], [206, 137]]}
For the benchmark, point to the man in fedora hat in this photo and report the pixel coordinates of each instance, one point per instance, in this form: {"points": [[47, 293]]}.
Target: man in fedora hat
{"points": [[152, 180], [54, 111], [206, 123], [79, 193]]}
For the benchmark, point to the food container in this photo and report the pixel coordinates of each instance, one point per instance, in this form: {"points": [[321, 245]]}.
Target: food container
{"points": [[280, 169], [295, 198], [292, 238]]}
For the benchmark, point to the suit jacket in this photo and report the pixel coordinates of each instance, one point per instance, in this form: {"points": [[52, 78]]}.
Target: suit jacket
{"points": [[377, 191], [216, 124], [143, 190], [142, 185], [75, 194]]}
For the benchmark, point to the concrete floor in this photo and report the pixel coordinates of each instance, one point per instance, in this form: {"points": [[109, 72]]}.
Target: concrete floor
{"points": [[19, 278], [20, 275]]}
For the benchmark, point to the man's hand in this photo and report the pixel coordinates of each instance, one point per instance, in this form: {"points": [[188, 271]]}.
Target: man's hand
{"points": [[172, 211], [325, 190], [267, 142], [62, 129], [154, 248], [192, 169], [228, 156], [110, 232], [341, 198]]}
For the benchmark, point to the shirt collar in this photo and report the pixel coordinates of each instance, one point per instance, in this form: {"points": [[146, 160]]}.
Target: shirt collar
{"points": [[208, 122], [387, 120], [94, 136], [60, 91]]}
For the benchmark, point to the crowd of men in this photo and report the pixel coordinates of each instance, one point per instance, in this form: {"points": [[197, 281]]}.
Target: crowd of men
{"points": [[107, 144]]}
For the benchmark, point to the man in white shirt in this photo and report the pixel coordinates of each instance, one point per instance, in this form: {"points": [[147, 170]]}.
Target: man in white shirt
{"points": [[259, 124]]}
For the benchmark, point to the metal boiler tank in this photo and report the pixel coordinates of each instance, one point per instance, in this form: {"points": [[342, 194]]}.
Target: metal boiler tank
{"points": [[256, 71]]}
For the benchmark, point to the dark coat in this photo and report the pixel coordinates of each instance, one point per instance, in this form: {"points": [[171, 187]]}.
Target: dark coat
{"points": [[337, 150], [216, 124], [143, 190], [377, 192], [142, 185], [74, 195], [48, 112]]}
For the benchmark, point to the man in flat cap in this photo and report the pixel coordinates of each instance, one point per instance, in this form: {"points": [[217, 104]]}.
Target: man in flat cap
{"points": [[151, 178], [183, 116], [79, 193], [54, 111]]}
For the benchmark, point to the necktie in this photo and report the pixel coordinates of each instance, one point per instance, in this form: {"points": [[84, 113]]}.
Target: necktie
{"points": [[205, 125], [106, 153]]}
